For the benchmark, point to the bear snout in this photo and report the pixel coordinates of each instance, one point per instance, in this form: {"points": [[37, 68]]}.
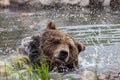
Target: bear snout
{"points": [[63, 55]]}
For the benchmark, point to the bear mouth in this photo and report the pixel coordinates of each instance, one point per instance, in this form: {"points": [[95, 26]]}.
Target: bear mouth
{"points": [[60, 61], [62, 68]]}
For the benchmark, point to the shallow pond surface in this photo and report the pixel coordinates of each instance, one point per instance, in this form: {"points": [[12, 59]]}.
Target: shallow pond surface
{"points": [[98, 30]]}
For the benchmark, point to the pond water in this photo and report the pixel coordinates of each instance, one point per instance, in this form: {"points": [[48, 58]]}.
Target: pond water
{"points": [[99, 30]]}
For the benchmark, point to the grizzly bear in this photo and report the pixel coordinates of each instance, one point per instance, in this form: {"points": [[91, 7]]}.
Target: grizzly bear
{"points": [[60, 49]]}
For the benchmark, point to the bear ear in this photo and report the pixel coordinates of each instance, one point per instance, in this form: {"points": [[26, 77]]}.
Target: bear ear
{"points": [[51, 25], [80, 46]]}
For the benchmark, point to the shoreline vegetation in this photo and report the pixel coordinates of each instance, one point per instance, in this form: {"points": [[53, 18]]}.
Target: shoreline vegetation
{"points": [[19, 68]]}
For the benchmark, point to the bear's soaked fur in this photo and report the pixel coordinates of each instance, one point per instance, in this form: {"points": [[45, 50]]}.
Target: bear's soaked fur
{"points": [[58, 48]]}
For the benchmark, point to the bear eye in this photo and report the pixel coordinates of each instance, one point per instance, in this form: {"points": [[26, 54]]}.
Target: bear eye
{"points": [[56, 42]]}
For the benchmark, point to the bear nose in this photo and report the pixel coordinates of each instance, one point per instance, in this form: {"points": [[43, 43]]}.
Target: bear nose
{"points": [[63, 55]]}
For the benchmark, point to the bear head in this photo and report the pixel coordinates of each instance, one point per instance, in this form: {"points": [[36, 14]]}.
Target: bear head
{"points": [[60, 49]]}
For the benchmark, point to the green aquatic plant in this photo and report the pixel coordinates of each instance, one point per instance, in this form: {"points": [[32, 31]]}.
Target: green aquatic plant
{"points": [[43, 70], [70, 79], [96, 68]]}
